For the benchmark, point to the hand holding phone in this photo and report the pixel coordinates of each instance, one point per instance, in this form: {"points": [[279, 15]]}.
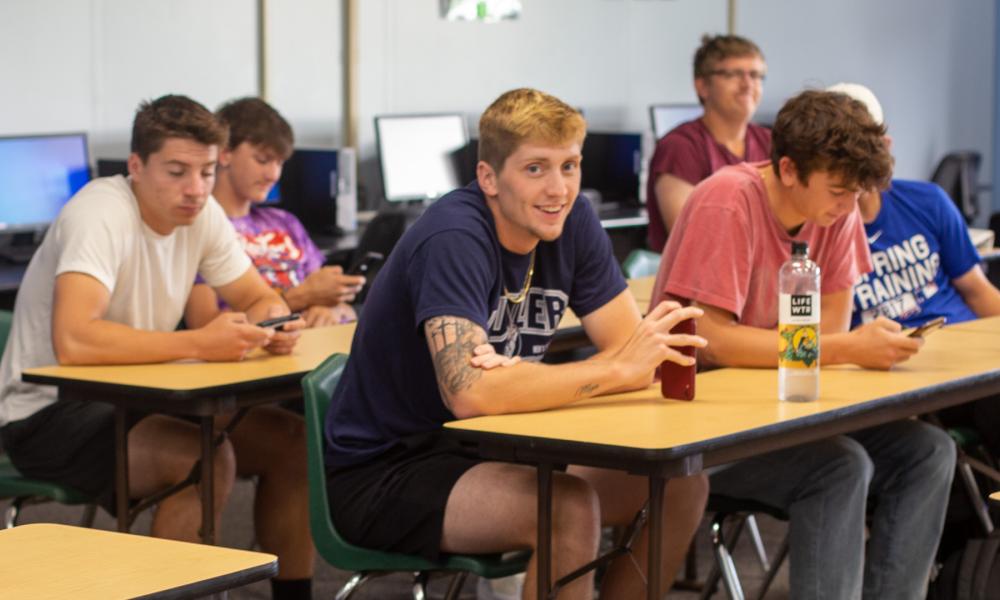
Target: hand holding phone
{"points": [[927, 328], [367, 262], [277, 321]]}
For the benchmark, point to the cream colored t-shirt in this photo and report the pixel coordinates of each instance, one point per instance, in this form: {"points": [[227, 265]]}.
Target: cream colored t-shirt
{"points": [[101, 234]]}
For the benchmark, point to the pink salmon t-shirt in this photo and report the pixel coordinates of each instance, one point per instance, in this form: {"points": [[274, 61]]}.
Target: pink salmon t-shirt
{"points": [[728, 246]]}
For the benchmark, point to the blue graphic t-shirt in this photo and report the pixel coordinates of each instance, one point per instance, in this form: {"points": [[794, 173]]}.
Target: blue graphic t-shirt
{"points": [[919, 243], [451, 263]]}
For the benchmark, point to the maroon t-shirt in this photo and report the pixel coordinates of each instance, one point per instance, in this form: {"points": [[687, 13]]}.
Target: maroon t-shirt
{"points": [[689, 152]]}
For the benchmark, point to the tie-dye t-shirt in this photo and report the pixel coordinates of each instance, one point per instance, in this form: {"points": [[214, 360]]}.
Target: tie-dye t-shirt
{"points": [[278, 245]]}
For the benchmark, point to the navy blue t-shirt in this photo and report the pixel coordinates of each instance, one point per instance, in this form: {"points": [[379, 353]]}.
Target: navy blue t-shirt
{"points": [[919, 244], [450, 263]]}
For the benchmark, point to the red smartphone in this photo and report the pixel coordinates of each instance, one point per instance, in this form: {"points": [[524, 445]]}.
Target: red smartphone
{"points": [[677, 382]]}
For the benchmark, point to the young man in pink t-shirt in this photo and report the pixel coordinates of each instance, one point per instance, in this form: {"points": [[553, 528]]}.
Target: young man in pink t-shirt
{"points": [[724, 254]]}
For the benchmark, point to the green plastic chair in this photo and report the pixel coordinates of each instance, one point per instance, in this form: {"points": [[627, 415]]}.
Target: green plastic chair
{"points": [[366, 564], [23, 491], [641, 263]]}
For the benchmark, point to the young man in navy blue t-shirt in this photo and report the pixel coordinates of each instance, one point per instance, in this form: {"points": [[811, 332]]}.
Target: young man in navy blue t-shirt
{"points": [[480, 281]]}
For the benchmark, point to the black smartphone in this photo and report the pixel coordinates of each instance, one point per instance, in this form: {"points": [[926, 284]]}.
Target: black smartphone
{"points": [[367, 262], [277, 321], [928, 328]]}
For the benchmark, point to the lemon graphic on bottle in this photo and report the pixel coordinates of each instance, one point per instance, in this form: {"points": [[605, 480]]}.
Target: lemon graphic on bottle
{"points": [[800, 345]]}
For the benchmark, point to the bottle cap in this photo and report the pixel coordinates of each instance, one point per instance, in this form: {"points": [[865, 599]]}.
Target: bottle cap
{"points": [[800, 248]]}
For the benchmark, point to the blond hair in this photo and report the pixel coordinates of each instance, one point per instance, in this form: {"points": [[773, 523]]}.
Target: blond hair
{"points": [[526, 114]]}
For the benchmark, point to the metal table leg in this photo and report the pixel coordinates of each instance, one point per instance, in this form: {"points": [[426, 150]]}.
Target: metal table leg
{"points": [[544, 530], [655, 538], [121, 470], [207, 480]]}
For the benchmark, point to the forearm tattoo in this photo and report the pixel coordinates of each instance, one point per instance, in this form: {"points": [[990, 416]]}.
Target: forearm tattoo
{"points": [[452, 341], [585, 389]]}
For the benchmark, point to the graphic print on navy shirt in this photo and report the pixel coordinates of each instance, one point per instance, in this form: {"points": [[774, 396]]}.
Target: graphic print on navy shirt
{"points": [[526, 328], [919, 243]]}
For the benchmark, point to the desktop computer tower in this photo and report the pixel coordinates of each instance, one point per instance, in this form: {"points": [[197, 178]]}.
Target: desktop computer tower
{"points": [[320, 188], [345, 189]]}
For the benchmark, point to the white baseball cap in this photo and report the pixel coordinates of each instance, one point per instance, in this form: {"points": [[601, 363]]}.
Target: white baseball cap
{"points": [[861, 94]]}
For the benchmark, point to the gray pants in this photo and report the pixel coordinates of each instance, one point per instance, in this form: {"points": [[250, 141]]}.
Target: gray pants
{"points": [[905, 468]]}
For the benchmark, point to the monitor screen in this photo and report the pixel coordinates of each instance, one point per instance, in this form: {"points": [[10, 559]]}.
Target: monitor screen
{"points": [[611, 165], [417, 155], [38, 174], [665, 117], [308, 189]]}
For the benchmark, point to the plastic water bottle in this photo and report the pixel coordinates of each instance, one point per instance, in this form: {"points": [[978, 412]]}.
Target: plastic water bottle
{"points": [[798, 327]]}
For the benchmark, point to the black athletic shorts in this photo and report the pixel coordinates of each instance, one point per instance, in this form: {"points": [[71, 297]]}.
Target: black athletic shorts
{"points": [[70, 443], [395, 502]]}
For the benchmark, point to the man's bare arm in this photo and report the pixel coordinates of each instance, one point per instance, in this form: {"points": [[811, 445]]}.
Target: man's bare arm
{"points": [[671, 195], [877, 345], [471, 391], [82, 335], [978, 292]]}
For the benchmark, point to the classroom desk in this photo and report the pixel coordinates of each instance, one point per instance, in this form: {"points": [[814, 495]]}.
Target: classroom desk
{"points": [[735, 414], [192, 388], [44, 560]]}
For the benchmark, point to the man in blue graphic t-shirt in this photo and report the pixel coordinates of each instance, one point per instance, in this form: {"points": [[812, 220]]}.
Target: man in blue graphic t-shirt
{"points": [[924, 264], [925, 267], [455, 326]]}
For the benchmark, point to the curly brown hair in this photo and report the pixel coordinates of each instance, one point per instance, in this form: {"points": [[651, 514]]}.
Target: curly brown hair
{"points": [[257, 122], [526, 114], [174, 116], [829, 131]]}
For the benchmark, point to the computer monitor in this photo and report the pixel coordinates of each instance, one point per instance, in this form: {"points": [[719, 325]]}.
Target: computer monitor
{"points": [[611, 165], [38, 174], [665, 117], [416, 155], [308, 189]]}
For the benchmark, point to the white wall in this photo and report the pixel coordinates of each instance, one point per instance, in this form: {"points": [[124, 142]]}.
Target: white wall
{"points": [[305, 68], [85, 64], [929, 63], [71, 65], [611, 58]]}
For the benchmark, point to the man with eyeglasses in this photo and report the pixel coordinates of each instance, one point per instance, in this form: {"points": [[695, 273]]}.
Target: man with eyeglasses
{"points": [[728, 75]]}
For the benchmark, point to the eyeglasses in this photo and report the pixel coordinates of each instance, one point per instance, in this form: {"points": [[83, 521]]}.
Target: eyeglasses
{"points": [[731, 74]]}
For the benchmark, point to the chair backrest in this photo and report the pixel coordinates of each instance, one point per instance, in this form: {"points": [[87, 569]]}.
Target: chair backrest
{"points": [[381, 235], [958, 174], [641, 263], [317, 388], [6, 320]]}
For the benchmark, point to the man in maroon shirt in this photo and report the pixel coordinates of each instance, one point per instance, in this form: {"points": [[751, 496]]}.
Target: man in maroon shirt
{"points": [[728, 76]]}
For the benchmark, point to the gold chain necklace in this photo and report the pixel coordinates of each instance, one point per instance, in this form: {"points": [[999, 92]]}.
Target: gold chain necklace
{"points": [[519, 298]]}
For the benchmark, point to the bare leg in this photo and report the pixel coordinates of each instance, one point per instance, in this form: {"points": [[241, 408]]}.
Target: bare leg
{"points": [[493, 508], [162, 451], [270, 443], [622, 495]]}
